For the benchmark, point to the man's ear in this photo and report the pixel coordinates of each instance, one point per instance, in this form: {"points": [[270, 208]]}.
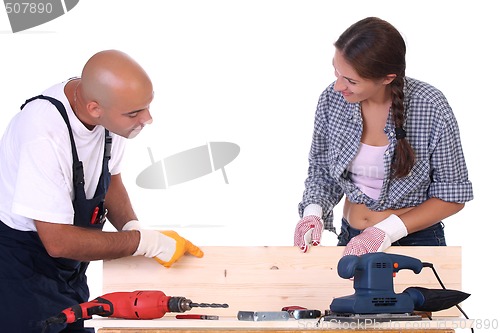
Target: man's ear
{"points": [[94, 109], [389, 78]]}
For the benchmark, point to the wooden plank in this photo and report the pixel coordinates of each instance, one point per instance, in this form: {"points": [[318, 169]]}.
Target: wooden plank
{"points": [[268, 278]]}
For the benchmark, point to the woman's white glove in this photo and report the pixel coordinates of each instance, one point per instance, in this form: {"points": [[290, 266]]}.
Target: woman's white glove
{"points": [[377, 238], [308, 232]]}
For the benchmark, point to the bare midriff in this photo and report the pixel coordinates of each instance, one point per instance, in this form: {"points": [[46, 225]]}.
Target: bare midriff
{"points": [[361, 217]]}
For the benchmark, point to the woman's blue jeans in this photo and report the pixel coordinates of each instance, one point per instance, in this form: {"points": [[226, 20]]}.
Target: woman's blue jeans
{"points": [[432, 236]]}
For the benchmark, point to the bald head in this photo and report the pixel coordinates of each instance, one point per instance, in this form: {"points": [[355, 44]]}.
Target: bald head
{"points": [[110, 75], [114, 92]]}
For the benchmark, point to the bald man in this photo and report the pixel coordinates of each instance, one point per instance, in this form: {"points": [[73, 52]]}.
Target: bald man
{"points": [[60, 163]]}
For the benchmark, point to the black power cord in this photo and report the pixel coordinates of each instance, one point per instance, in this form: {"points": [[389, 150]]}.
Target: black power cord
{"points": [[431, 266]]}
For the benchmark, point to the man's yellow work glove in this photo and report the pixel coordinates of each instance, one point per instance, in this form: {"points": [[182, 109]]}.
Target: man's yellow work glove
{"points": [[182, 246], [165, 246]]}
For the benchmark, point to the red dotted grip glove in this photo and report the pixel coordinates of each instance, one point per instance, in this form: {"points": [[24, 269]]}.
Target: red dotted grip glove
{"points": [[308, 232], [377, 238]]}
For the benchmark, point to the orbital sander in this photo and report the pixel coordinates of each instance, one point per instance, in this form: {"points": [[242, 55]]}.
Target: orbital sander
{"points": [[374, 298]]}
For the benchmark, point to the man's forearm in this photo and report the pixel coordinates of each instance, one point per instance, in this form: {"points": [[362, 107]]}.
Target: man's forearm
{"points": [[68, 241]]}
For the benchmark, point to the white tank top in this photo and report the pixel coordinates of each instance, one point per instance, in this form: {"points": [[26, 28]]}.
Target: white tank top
{"points": [[367, 169]]}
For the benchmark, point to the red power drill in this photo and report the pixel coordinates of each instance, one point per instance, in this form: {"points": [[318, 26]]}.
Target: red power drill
{"points": [[140, 304]]}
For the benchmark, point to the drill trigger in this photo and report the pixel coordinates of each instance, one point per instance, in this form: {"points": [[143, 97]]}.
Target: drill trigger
{"points": [[95, 310], [103, 312]]}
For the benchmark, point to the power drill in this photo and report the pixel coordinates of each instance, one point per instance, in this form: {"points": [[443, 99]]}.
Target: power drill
{"points": [[140, 304]]}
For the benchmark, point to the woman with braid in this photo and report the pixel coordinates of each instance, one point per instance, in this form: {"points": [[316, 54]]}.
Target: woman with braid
{"points": [[389, 143]]}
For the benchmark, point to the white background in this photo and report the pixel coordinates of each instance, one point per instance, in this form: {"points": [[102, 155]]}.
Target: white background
{"points": [[250, 72]]}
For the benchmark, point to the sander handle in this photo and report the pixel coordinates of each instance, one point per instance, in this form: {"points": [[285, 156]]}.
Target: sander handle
{"points": [[348, 265], [400, 261]]}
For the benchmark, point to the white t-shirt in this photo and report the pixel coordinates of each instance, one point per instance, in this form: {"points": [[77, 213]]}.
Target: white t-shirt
{"points": [[36, 164]]}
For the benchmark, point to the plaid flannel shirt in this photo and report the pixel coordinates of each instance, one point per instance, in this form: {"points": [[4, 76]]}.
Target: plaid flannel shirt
{"points": [[431, 128]]}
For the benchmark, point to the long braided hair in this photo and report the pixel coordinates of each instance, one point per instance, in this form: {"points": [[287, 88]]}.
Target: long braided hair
{"points": [[375, 49]]}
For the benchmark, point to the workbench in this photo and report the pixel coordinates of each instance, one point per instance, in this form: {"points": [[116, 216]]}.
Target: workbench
{"points": [[266, 278], [230, 325], [307, 326]]}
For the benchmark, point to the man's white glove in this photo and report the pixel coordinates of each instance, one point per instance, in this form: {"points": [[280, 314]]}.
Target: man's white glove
{"points": [[165, 246], [154, 244], [377, 238], [131, 225]]}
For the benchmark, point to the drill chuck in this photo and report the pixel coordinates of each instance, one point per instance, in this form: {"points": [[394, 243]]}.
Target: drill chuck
{"points": [[179, 304]]}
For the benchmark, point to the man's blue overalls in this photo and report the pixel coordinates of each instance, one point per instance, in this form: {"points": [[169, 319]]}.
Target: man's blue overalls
{"points": [[35, 286]]}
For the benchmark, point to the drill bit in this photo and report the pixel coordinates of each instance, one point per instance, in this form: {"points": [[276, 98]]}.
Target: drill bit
{"points": [[182, 304], [207, 305]]}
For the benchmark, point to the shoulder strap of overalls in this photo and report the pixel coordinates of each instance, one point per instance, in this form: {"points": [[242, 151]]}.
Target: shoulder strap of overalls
{"points": [[78, 177]]}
